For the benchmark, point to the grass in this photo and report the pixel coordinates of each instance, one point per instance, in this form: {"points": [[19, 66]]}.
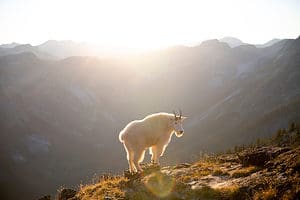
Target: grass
{"points": [[267, 194], [219, 172], [206, 192], [230, 192], [243, 172], [106, 187], [201, 169]]}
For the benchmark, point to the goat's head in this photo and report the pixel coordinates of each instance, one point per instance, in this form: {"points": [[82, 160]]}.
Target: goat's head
{"points": [[177, 123]]}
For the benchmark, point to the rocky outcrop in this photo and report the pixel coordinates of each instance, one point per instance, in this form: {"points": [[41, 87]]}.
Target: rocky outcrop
{"points": [[273, 175], [260, 156]]}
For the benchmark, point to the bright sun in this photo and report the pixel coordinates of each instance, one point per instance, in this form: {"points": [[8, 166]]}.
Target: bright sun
{"points": [[139, 25]]}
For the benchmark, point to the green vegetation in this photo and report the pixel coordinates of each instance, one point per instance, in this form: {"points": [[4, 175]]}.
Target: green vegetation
{"points": [[283, 137]]}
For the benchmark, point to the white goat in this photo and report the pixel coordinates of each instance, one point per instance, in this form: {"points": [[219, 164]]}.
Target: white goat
{"points": [[153, 132]]}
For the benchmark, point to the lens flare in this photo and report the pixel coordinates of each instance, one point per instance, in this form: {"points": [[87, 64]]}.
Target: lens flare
{"points": [[159, 184]]}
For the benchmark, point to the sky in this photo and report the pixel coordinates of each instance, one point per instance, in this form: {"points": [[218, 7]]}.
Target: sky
{"points": [[147, 24]]}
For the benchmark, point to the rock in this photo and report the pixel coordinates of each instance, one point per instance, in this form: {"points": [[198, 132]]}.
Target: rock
{"points": [[182, 165], [47, 197], [260, 156], [147, 169], [228, 158], [66, 194]]}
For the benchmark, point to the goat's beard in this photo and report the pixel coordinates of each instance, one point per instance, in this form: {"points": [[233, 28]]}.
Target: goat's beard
{"points": [[178, 134]]}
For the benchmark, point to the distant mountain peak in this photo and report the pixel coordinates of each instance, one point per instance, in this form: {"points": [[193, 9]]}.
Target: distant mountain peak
{"points": [[269, 43], [214, 43], [232, 41], [57, 42]]}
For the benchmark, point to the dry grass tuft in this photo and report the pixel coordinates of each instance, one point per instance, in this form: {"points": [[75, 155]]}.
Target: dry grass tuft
{"points": [[203, 169], [206, 192], [267, 194], [229, 192], [105, 188], [219, 172], [243, 172]]}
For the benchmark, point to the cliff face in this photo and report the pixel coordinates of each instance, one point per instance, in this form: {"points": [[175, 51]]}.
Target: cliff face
{"points": [[262, 172]]}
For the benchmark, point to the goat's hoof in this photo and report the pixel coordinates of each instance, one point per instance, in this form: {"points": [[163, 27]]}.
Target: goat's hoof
{"points": [[127, 174], [153, 163]]}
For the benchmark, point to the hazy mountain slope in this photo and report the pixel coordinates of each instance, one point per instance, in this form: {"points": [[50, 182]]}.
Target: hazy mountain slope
{"points": [[51, 49], [67, 48], [11, 45], [26, 48], [58, 116], [261, 100], [45, 117]]}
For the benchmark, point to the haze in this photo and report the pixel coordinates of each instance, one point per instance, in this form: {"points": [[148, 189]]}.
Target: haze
{"points": [[143, 25]]}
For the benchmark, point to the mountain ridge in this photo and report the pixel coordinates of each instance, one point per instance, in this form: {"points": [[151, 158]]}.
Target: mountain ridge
{"points": [[60, 49]]}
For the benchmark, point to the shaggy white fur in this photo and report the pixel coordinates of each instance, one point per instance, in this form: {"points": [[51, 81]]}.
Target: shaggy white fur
{"points": [[153, 132]]}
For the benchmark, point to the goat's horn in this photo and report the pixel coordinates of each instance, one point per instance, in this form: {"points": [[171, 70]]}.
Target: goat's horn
{"points": [[175, 115], [180, 114]]}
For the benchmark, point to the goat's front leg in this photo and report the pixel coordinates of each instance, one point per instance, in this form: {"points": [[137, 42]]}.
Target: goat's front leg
{"points": [[154, 157], [157, 151], [138, 157]]}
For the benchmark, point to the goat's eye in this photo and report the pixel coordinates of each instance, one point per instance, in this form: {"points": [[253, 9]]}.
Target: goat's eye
{"points": [[175, 122]]}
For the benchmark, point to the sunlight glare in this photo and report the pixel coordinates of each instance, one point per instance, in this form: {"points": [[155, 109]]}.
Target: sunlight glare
{"points": [[140, 25]]}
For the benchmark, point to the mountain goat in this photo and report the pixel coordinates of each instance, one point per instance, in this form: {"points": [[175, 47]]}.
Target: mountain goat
{"points": [[153, 132]]}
